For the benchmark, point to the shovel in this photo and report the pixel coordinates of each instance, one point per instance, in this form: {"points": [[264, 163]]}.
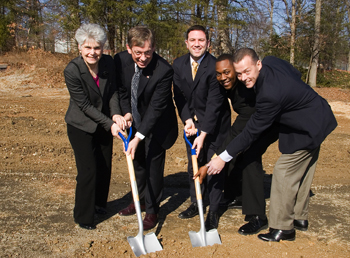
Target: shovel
{"points": [[140, 244], [201, 238]]}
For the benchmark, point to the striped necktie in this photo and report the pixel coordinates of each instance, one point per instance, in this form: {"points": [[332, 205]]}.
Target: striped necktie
{"points": [[134, 86], [194, 69]]}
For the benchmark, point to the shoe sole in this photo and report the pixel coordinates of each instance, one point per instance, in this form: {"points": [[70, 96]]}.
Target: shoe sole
{"points": [[267, 240], [182, 217], [300, 228], [146, 229], [125, 215], [234, 207], [130, 214], [253, 233]]}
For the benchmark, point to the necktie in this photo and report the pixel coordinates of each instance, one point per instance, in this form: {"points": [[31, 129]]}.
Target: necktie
{"points": [[194, 69], [134, 86]]}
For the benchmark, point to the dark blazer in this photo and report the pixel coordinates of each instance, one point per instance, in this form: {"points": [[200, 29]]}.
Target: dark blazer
{"points": [[203, 97], [155, 103], [243, 103], [304, 117], [90, 105]]}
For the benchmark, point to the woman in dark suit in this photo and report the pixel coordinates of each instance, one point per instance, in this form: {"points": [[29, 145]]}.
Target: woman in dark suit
{"points": [[92, 120]]}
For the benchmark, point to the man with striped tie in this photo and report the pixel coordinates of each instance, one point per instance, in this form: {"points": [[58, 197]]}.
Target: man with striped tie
{"points": [[203, 105]]}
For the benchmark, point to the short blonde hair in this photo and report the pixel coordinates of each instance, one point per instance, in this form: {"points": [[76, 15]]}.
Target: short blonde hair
{"points": [[137, 36]]}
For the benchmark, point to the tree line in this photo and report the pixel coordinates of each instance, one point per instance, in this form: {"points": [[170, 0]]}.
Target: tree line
{"points": [[313, 34]]}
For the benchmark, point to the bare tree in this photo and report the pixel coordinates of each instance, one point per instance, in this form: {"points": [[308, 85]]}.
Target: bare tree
{"points": [[291, 18], [316, 48], [223, 42], [348, 27]]}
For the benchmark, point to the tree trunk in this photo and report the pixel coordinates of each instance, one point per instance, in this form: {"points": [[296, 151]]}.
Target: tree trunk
{"points": [[348, 10], [292, 34], [292, 24], [223, 44], [270, 3], [316, 48]]}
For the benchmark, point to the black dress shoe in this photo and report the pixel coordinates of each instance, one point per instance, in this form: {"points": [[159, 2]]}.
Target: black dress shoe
{"points": [[276, 235], [235, 204], [190, 212], [255, 225], [130, 210], [301, 224], [231, 204], [87, 226], [150, 221], [212, 220], [248, 217]]}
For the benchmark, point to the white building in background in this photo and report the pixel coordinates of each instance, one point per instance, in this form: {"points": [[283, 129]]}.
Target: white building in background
{"points": [[62, 46]]}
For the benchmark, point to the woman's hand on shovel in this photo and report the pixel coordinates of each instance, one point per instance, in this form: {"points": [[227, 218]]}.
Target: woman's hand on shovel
{"points": [[201, 174], [115, 129]]}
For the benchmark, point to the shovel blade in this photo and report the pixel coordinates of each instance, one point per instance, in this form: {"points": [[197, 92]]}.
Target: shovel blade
{"points": [[211, 237], [147, 244], [151, 243]]}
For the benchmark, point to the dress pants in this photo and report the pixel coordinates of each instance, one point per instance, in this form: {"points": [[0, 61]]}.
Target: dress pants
{"points": [[213, 184], [247, 174], [149, 171], [93, 157], [291, 183], [250, 162], [233, 181]]}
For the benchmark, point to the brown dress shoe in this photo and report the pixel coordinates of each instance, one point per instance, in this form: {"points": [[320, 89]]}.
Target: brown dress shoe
{"points": [[150, 221], [130, 210]]}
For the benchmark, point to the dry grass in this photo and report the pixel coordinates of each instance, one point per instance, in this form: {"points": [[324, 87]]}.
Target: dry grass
{"points": [[45, 68]]}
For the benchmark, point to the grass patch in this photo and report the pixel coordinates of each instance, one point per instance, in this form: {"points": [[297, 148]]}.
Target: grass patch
{"points": [[334, 78]]}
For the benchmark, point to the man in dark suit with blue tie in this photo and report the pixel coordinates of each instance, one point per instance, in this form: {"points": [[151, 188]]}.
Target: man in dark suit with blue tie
{"points": [[144, 81], [305, 119], [202, 105]]}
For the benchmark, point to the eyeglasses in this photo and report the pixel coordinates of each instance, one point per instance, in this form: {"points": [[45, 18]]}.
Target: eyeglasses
{"points": [[139, 54]]}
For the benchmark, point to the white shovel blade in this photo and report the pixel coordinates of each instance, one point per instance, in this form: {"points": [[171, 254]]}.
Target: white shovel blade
{"points": [[151, 243], [212, 237]]}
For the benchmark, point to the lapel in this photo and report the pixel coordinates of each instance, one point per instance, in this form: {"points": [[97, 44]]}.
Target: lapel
{"points": [[103, 75], [86, 76], [201, 70], [129, 71], [147, 74], [188, 72]]}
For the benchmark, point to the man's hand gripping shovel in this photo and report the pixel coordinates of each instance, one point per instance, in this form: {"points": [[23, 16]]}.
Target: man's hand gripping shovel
{"points": [[140, 244], [201, 238]]}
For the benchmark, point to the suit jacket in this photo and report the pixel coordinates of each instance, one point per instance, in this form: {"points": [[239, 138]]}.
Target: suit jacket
{"points": [[304, 117], [89, 104], [202, 97], [243, 103], [154, 97]]}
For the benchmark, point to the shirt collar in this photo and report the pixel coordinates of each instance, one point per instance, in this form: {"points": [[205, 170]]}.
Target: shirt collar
{"points": [[199, 61]]}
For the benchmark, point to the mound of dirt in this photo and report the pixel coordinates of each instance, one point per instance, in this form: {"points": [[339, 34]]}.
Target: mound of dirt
{"points": [[37, 183]]}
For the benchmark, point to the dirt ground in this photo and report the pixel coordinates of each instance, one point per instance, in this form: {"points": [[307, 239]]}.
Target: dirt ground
{"points": [[37, 182]]}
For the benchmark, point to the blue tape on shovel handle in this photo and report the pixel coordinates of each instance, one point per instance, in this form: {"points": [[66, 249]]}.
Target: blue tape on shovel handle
{"points": [[193, 151], [126, 141]]}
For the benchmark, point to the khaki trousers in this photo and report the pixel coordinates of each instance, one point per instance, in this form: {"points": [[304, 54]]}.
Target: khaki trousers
{"points": [[290, 188]]}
